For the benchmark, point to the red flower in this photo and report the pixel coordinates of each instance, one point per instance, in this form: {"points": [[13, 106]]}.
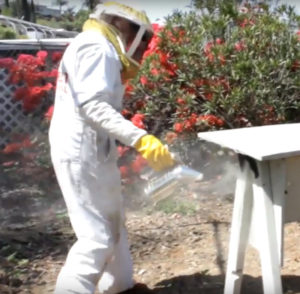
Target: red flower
{"points": [[49, 113], [208, 95], [15, 147], [126, 113], [124, 171], [122, 150], [137, 120], [219, 41], [42, 55], [53, 73], [21, 93], [170, 137], [225, 84], [157, 27], [247, 22], [211, 120], [222, 59], [15, 75], [144, 80], [32, 96], [26, 143], [210, 57], [181, 101], [178, 127], [47, 87], [139, 104], [27, 59], [56, 56], [138, 164], [187, 125], [193, 118], [190, 90], [199, 82], [9, 163], [163, 58], [128, 89], [296, 65], [12, 148], [171, 69], [36, 91], [155, 71], [239, 46], [7, 62], [152, 47], [207, 48], [176, 36]]}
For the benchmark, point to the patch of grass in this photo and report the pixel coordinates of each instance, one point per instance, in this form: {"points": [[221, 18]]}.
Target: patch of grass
{"points": [[171, 206]]}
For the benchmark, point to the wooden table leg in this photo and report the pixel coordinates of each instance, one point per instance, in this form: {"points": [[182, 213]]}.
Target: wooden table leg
{"points": [[278, 184], [240, 226], [266, 230]]}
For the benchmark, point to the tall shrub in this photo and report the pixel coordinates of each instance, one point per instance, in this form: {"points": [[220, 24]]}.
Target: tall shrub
{"points": [[224, 68]]}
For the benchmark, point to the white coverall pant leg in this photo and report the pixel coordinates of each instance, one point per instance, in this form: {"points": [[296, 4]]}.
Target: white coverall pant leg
{"points": [[118, 273], [96, 213]]}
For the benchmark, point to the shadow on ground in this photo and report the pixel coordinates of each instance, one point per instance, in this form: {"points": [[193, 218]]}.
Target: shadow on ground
{"points": [[205, 284]]}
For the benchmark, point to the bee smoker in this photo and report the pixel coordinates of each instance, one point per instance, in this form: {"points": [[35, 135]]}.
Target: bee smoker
{"points": [[164, 184]]}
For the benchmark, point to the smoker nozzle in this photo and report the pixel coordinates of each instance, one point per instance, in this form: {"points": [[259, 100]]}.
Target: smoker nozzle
{"points": [[164, 184]]}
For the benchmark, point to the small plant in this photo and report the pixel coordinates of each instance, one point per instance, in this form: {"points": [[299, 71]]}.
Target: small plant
{"points": [[172, 205], [7, 33]]}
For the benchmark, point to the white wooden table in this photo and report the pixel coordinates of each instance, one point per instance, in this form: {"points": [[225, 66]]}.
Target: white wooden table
{"points": [[266, 196]]}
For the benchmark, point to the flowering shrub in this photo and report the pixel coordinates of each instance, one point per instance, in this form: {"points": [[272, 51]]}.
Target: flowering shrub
{"points": [[30, 73], [34, 83], [226, 68]]}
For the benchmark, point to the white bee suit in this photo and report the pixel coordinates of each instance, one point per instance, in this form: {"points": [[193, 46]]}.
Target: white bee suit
{"points": [[85, 124]]}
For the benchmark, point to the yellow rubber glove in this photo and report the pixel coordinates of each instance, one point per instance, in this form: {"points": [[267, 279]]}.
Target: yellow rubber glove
{"points": [[154, 152]]}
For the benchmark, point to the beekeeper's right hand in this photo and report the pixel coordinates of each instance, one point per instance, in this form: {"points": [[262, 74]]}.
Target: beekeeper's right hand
{"points": [[154, 152]]}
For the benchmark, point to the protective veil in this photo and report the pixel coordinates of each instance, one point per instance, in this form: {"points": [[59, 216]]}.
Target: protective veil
{"points": [[85, 124]]}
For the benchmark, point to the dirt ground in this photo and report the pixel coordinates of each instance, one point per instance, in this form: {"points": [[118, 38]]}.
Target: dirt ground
{"points": [[178, 246]]}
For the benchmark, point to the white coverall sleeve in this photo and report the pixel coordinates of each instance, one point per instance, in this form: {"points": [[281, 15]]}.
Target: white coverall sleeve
{"points": [[95, 82], [104, 115]]}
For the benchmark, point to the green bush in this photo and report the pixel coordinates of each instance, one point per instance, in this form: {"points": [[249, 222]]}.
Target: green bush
{"points": [[224, 68], [7, 33], [68, 22]]}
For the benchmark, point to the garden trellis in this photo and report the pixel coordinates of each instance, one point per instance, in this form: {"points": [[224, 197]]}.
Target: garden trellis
{"points": [[13, 118]]}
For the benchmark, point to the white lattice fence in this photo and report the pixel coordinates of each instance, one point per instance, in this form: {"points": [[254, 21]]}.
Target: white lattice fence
{"points": [[13, 120], [10, 111]]}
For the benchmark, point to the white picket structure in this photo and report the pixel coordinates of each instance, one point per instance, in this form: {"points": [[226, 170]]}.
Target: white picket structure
{"points": [[13, 119]]}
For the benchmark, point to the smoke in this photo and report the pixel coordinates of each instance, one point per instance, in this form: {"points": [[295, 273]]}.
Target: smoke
{"points": [[219, 180], [29, 189], [218, 166]]}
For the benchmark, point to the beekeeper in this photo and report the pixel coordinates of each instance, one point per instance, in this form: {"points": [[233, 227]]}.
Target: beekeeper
{"points": [[85, 125]]}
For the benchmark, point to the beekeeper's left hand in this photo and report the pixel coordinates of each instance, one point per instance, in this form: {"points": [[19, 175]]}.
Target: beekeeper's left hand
{"points": [[157, 155]]}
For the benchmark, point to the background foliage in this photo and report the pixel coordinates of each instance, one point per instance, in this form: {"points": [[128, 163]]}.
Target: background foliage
{"points": [[224, 68], [68, 20], [7, 33]]}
